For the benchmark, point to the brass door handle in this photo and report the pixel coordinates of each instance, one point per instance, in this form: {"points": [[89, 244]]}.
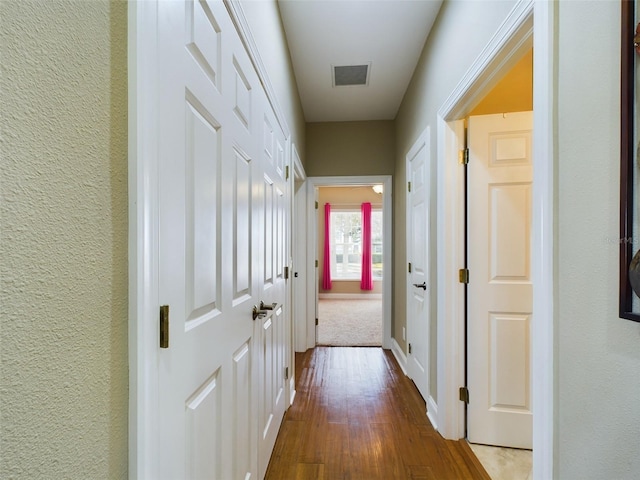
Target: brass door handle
{"points": [[265, 306], [423, 285], [256, 313]]}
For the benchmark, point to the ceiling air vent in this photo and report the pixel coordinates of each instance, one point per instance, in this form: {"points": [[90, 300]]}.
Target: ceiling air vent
{"points": [[350, 75]]}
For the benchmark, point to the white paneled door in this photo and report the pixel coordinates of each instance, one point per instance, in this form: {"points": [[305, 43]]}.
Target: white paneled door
{"points": [[500, 287], [273, 326], [418, 269], [222, 213]]}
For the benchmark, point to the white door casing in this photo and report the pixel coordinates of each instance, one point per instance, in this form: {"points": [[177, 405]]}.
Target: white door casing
{"points": [[222, 220], [500, 308], [418, 288]]}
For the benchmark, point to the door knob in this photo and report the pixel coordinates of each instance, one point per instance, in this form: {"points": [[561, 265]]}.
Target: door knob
{"points": [[255, 313], [267, 306], [423, 285]]}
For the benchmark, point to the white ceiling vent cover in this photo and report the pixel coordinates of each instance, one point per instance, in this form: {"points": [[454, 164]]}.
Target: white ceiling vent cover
{"points": [[350, 75]]}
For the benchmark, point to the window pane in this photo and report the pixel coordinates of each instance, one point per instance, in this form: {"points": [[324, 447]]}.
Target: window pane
{"points": [[346, 244], [376, 243]]}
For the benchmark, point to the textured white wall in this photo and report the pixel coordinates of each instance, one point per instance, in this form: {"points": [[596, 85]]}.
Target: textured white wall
{"points": [[63, 240], [598, 381]]}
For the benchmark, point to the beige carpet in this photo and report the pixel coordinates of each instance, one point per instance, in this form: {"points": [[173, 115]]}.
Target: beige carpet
{"points": [[350, 323]]}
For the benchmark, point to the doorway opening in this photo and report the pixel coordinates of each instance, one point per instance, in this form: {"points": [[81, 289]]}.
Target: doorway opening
{"points": [[353, 302], [499, 302], [350, 245]]}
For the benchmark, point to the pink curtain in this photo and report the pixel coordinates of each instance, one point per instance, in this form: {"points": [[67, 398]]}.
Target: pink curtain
{"points": [[366, 283], [326, 265]]}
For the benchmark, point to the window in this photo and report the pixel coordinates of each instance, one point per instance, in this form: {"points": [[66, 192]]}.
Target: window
{"points": [[346, 244]]}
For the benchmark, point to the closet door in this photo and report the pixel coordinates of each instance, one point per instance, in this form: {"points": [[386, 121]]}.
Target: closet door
{"points": [[219, 239], [272, 336]]}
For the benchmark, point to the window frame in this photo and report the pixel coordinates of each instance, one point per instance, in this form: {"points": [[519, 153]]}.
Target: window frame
{"points": [[337, 276]]}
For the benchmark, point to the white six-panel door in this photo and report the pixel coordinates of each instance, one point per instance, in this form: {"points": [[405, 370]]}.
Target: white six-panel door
{"points": [[222, 212], [418, 256], [273, 258], [500, 287]]}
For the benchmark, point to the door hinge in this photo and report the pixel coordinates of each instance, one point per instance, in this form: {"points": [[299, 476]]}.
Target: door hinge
{"points": [[409, 267], [286, 373], [463, 275], [286, 172], [316, 205], [164, 326], [463, 157], [409, 349], [464, 395], [316, 263], [316, 321], [409, 187], [286, 273]]}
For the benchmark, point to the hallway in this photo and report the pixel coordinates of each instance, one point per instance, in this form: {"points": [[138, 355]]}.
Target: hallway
{"points": [[357, 416]]}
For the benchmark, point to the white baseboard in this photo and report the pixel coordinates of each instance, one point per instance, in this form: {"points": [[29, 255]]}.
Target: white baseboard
{"points": [[349, 296], [399, 354], [292, 390], [432, 407], [432, 412]]}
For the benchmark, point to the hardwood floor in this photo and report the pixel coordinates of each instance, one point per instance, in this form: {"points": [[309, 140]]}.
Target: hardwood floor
{"points": [[357, 416]]}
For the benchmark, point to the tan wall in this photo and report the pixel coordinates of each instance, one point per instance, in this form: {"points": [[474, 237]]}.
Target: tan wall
{"points": [[63, 241], [350, 148], [437, 73], [352, 197], [598, 354], [514, 93]]}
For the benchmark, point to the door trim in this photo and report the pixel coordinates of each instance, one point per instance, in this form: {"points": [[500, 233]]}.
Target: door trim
{"points": [[517, 33], [143, 240], [312, 228]]}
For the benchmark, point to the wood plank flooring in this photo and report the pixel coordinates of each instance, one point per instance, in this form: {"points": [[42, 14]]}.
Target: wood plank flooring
{"points": [[357, 416]]}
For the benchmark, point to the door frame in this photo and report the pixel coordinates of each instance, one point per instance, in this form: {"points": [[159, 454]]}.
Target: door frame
{"points": [[143, 240], [143, 330], [312, 248], [516, 34]]}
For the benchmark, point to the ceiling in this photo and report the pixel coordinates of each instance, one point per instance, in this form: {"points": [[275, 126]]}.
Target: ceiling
{"points": [[388, 35]]}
